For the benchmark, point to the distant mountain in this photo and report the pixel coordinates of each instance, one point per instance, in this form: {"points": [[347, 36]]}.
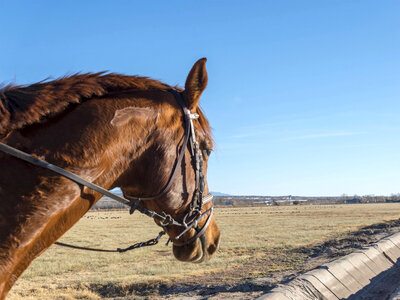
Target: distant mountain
{"points": [[119, 192], [116, 191], [218, 194]]}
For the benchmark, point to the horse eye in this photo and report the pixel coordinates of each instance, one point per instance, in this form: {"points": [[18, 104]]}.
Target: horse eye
{"points": [[206, 153]]}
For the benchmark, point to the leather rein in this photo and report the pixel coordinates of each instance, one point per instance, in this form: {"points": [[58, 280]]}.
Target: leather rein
{"points": [[194, 212]]}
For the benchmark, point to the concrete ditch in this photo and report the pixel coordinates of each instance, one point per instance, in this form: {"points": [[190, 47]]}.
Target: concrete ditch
{"points": [[364, 274]]}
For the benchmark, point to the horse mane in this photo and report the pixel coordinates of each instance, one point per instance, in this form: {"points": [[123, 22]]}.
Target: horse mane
{"points": [[21, 106]]}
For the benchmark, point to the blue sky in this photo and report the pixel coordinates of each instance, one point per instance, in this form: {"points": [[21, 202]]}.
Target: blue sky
{"points": [[303, 96]]}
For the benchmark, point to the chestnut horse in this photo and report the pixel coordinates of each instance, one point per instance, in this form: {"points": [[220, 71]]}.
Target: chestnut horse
{"points": [[112, 130]]}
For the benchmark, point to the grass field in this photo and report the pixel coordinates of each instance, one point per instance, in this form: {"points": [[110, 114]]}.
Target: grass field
{"points": [[247, 233]]}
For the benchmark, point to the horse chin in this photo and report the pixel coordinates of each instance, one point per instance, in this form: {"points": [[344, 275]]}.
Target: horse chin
{"points": [[197, 252]]}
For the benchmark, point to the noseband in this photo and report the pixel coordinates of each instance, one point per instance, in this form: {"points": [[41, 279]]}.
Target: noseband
{"points": [[194, 213]]}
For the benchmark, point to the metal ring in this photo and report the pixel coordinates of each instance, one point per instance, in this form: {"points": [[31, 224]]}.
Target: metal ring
{"points": [[195, 213], [168, 220]]}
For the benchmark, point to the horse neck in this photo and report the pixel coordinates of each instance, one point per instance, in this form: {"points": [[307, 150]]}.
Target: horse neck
{"points": [[36, 207]]}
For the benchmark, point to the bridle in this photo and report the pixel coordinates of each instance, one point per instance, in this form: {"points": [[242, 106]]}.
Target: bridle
{"points": [[194, 212]]}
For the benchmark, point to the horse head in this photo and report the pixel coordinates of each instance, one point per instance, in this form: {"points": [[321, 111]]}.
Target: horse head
{"points": [[157, 170]]}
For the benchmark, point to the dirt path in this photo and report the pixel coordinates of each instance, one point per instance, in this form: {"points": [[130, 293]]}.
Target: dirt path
{"points": [[260, 274]]}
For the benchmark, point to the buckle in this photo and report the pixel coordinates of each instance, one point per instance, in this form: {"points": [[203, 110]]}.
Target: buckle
{"points": [[194, 116]]}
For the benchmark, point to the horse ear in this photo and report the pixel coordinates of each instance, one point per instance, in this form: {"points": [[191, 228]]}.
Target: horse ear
{"points": [[196, 83]]}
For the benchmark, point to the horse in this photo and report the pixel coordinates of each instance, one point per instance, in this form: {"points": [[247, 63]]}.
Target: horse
{"points": [[112, 130]]}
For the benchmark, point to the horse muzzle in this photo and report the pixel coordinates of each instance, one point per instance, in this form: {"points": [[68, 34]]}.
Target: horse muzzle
{"points": [[201, 248]]}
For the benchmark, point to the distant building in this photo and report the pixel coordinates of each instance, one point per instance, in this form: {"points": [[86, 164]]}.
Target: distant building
{"points": [[265, 202]]}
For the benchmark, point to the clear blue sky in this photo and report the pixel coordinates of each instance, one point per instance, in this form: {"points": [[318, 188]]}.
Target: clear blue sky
{"points": [[303, 96]]}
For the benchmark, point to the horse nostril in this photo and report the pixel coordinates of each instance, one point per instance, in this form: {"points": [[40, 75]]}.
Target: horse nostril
{"points": [[211, 249]]}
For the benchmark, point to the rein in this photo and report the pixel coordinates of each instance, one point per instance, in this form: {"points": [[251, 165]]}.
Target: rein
{"points": [[191, 218], [151, 242]]}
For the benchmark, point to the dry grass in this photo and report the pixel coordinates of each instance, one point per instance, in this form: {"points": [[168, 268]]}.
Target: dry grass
{"points": [[64, 273]]}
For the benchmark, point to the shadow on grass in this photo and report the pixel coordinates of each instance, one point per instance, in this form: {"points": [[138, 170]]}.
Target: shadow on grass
{"points": [[162, 289]]}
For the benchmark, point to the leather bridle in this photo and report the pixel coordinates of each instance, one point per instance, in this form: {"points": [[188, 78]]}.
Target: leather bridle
{"points": [[194, 212]]}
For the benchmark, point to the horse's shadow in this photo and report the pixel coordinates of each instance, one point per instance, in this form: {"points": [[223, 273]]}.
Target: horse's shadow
{"points": [[112, 290]]}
